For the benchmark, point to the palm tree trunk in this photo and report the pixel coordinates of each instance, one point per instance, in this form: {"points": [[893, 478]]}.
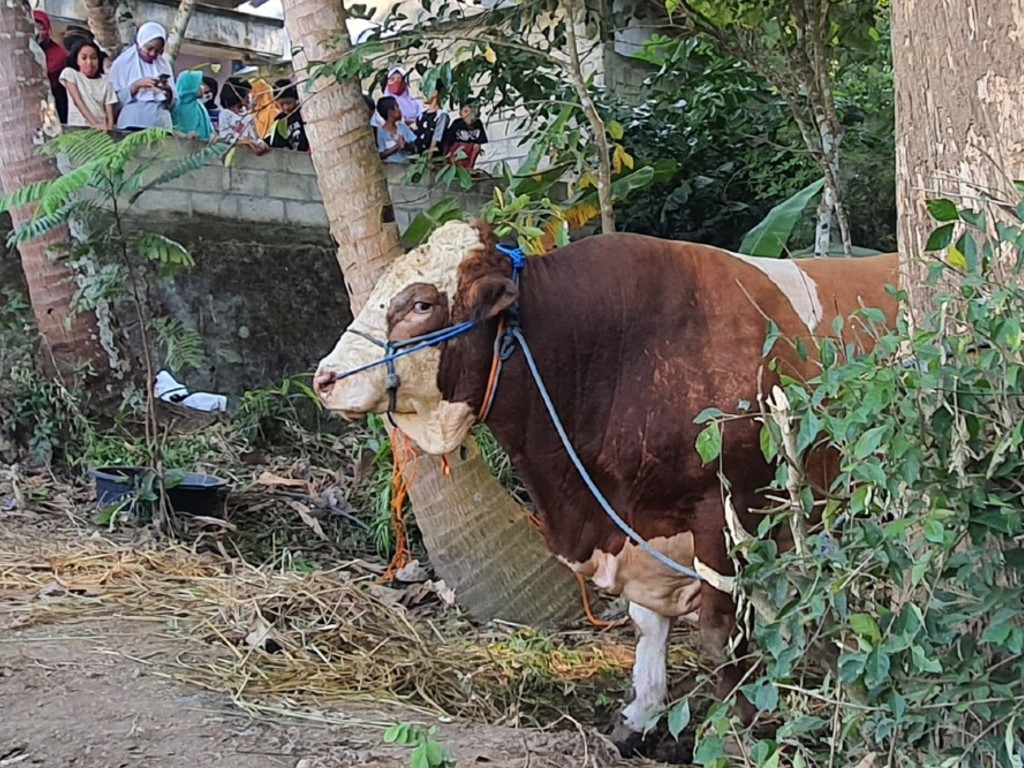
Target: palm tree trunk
{"points": [[479, 539], [70, 341], [176, 34], [959, 135], [112, 22], [99, 15]]}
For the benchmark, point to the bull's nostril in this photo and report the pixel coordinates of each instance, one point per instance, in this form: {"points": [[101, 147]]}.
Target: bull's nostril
{"points": [[323, 382]]}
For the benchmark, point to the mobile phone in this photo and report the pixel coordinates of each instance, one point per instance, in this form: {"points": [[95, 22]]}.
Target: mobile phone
{"points": [[164, 78]]}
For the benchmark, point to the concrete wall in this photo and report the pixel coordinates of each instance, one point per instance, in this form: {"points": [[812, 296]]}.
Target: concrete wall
{"points": [[280, 187], [268, 301]]}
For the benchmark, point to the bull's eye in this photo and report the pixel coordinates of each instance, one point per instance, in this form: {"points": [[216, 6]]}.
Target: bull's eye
{"points": [[422, 306]]}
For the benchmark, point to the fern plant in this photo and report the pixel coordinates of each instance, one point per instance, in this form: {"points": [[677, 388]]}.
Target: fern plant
{"points": [[104, 178]]}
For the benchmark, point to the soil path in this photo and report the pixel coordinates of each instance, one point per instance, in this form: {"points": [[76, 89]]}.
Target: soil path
{"points": [[96, 695], [98, 689]]}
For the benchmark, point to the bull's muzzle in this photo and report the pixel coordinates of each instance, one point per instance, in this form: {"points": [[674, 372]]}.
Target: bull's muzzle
{"points": [[323, 384]]}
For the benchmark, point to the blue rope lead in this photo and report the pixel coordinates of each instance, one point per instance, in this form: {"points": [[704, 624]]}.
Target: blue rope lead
{"points": [[404, 348], [622, 524]]}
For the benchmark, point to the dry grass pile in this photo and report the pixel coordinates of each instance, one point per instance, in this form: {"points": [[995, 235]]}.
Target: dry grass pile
{"points": [[310, 639]]}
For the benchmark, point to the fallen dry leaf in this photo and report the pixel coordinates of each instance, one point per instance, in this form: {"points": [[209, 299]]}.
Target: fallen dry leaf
{"points": [[386, 595], [307, 517], [446, 593], [412, 572], [259, 633], [56, 589], [417, 593], [270, 479]]}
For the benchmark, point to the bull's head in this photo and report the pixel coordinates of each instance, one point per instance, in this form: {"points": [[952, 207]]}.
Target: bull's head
{"points": [[415, 296]]}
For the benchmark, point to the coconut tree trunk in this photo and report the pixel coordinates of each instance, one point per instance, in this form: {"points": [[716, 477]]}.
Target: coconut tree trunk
{"points": [[958, 71], [69, 341], [112, 22], [479, 539], [176, 34], [101, 18]]}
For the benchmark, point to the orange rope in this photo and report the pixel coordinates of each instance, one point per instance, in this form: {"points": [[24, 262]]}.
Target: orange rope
{"points": [[584, 597], [492, 378], [599, 623], [404, 457]]}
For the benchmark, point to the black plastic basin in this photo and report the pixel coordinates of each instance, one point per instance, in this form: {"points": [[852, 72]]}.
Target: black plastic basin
{"points": [[195, 494]]}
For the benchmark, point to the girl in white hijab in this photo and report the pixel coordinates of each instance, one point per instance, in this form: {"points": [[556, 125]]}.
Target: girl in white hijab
{"points": [[143, 81]]}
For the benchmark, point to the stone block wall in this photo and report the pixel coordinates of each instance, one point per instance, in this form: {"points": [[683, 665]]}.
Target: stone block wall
{"points": [[280, 187]]}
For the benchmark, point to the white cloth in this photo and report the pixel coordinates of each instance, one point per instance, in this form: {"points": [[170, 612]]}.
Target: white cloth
{"points": [[411, 106], [168, 389], [130, 67], [96, 92], [234, 127]]}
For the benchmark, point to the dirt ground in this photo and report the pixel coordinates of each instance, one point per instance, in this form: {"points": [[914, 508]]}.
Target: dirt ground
{"points": [[93, 695], [99, 691]]}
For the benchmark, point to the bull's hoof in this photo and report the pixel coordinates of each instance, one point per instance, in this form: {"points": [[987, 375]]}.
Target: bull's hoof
{"points": [[632, 744], [675, 751], [657, 744]]}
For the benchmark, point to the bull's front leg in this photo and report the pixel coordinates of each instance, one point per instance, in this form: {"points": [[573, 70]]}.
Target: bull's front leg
{"points": [[650, 677]]}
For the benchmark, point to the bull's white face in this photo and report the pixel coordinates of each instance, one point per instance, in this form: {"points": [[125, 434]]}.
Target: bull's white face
{"points": [[435, 425]]}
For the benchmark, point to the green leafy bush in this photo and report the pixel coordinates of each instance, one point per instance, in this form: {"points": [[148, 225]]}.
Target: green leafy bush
{"points": [[896, 628]]}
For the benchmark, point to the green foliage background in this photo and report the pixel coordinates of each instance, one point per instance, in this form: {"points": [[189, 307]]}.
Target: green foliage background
{"points": [[737, 151]]}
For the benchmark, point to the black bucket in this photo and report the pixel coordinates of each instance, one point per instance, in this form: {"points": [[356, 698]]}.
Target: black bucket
{"points": [[193, 494], [196, 494], [115, 484]]}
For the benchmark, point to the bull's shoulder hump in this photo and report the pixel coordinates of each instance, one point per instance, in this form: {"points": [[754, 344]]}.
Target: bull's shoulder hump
{"points": [[798, 287]]}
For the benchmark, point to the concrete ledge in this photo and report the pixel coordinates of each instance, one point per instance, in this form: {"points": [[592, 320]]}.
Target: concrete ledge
{"points": [[281, 188]]}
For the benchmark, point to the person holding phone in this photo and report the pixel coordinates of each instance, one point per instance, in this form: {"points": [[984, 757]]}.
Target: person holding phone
{"points": [[142, 80]]}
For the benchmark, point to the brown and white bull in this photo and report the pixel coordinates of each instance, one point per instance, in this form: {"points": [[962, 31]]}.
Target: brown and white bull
{"points": [[633, 337]]}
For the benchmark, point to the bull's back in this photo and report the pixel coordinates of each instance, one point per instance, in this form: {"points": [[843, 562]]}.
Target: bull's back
{"points": [[849, 284], [802, 297]]}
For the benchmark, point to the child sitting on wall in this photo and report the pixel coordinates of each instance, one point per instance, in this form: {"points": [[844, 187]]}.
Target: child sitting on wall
{"points": [[465, 137], [288, 130], [236, 124]]}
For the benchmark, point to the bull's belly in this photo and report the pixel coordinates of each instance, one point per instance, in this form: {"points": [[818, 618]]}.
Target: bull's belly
{"points": [[641, 579]]}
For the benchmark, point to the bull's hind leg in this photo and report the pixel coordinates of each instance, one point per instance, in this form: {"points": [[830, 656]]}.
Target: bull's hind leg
{"points": [[650, 678], [717, 622]]}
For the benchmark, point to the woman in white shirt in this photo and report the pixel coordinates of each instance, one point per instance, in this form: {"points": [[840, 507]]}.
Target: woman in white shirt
{"points": [[91, 98], [143, 81]]}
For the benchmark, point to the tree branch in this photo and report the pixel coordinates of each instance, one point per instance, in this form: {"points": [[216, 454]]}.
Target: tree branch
{"points": [[604, 178]]}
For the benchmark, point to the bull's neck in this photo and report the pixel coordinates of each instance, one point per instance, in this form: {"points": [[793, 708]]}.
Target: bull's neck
{"points": [[570, 347]]}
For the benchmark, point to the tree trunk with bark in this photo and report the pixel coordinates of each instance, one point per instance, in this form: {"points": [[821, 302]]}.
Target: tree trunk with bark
{"points": [[479, 539], [176, 34], [112, 22], [958, 69], [69, 341], [99, 15], [803, 76]]}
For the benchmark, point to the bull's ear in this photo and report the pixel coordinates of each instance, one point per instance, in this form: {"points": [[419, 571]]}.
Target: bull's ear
{"points": [[489, 296]]}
